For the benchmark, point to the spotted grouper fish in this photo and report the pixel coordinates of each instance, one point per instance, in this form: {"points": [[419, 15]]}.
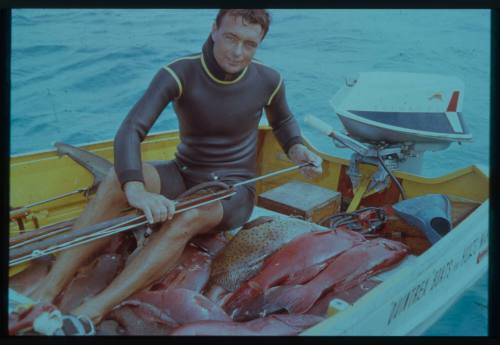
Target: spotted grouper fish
{"points": [[244, 255]]}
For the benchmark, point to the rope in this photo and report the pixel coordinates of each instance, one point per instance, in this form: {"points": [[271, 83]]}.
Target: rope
{"points": [[355, 222]]}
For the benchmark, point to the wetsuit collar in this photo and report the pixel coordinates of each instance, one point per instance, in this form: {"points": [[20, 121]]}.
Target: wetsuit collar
{"points": [[213, 69]]}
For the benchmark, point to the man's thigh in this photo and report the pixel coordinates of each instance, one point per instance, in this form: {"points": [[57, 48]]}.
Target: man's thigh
{"points": [[237, 209], [163, 177], [168, 181]]}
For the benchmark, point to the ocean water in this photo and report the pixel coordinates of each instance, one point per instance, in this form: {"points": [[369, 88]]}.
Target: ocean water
{"points": [[77, 73]]}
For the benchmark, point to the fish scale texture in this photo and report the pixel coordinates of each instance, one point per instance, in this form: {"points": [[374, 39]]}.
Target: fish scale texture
{"points": [[243, 256]]}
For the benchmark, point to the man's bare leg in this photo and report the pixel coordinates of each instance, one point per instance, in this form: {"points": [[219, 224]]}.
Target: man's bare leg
{"points": [[107, 204], [155, 259]]}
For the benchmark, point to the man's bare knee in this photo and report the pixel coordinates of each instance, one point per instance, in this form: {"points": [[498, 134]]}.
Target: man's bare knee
{"points": [[190, 216], [110, 190], [195, 221], [186, 224]]}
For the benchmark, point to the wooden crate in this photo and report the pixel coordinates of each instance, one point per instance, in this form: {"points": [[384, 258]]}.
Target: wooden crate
{"points": [[303, 200]]}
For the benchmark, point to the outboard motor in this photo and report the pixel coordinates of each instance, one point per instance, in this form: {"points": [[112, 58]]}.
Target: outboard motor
{"points": [[392, 118]]}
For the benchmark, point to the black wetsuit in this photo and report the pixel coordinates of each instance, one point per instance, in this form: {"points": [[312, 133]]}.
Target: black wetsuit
{"points": [[218, 116]]}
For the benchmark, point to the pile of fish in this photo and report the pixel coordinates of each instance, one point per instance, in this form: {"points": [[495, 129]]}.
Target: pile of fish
{"points": [[272, 278]]}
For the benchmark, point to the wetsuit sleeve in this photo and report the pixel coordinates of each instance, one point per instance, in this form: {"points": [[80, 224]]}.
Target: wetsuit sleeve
{"points": [[127, 150], [285, 126]]}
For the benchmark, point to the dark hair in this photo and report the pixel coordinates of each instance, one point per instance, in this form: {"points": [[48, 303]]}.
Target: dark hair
{"points": [[252, 16]]}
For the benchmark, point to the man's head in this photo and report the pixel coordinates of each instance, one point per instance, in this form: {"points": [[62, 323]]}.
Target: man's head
{"points": [[237, 35]]}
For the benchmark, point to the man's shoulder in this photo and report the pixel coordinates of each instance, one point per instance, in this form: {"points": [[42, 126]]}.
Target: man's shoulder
{"points": [[178, 65], [267, 72], [184, 59]]}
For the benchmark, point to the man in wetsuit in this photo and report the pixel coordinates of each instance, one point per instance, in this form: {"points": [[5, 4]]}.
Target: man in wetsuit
{"points": [[219, 96]]}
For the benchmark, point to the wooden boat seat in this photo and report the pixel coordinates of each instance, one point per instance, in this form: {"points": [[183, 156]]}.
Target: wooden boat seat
{"points": [[300, 199], [461, 208]]}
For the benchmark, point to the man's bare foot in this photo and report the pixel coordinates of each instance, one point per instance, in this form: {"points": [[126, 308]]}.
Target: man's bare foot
{"points": [[91, 309]]}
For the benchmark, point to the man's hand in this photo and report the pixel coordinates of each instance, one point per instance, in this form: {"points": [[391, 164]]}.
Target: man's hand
{"points": [[299, 154], [156, 207]]}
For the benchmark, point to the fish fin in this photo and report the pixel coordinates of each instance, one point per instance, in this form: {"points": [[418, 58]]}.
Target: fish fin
{"points": [[95, 164], [305, 275], [256, 222], [59, 148], [244, 296], [296, 299]]}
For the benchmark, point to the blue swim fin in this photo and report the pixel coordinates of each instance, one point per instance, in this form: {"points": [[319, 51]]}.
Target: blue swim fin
{"points": [[430, 213]]}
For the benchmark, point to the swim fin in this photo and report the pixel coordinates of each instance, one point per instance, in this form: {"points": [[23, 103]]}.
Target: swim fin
{"points": [[430, 213]]}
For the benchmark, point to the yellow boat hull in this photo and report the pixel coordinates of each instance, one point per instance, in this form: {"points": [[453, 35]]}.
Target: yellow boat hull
{"points": [[41, 175]]}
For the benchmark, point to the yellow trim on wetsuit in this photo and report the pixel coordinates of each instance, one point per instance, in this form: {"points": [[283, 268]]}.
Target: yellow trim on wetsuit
{"points": [[277, 87], [187, 58], [172, 73], [218, 80], [275, 91]]}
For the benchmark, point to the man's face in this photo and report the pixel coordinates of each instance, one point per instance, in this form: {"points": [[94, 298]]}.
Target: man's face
{"points": [[235, 43]]}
